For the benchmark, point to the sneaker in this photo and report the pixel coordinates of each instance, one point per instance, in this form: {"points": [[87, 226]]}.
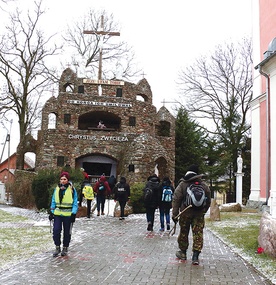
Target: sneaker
{"points": [[181, 255], [161, 229], [121, 218], [195, 260], [168, 227]]}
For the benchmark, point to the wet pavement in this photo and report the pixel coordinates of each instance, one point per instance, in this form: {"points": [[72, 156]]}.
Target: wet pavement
{"points": [[106, 250]]}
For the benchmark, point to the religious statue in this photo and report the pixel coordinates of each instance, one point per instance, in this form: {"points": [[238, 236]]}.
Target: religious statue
{"points": [[156, 171], [101, 125], [239, 163]]}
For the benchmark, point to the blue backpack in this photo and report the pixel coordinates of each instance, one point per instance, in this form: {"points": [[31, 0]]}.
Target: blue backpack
{"points": [[167, 194]]}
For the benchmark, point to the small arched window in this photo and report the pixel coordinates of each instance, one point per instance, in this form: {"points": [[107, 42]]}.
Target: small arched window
{"points": [[52, 121]]}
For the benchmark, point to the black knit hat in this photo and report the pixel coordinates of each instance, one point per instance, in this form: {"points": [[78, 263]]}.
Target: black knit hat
{"points": [[193, 168], [191, 172]]}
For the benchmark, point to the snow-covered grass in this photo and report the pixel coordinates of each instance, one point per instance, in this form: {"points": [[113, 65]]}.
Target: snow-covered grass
{"points": [[240, 230], [20, 237], [26, 232]]}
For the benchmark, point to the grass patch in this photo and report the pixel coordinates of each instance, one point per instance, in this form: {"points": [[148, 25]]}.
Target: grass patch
{"points": [[240, 230], [17, 243], [7, 217]]}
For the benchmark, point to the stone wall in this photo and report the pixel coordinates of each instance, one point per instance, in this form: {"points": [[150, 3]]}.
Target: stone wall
{"points": [[267, 237], [135, 134]]}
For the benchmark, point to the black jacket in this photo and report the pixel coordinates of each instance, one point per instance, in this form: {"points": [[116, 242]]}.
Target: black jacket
{"points": [[122, 191], [153, 183]]}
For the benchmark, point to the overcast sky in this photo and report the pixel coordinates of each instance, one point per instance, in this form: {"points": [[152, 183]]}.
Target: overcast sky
{"points": [[165, 35]]}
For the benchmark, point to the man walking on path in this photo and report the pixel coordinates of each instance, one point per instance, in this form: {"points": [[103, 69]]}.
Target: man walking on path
{"points": [[194, 216]]}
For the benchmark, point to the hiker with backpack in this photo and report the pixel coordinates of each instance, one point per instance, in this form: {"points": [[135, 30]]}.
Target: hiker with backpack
{"points": [[88, 194], [166, 191], [63, 210], [151, 199], [122, 194], [112, 182], [194, 193], [102, 190]]}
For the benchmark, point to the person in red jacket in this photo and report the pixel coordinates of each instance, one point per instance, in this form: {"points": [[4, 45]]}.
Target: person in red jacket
{"points": [[102, 190]]}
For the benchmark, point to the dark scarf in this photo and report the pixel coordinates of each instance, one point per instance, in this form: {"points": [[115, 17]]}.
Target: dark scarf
{"points": [[62, 189]]}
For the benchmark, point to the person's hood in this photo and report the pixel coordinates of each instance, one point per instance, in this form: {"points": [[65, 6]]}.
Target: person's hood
{"points": [[166, 181], [122, 180], [153, 178], [102, 179]]}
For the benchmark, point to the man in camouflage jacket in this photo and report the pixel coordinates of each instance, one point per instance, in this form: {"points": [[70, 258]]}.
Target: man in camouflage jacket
{"points": [[192, 217]]}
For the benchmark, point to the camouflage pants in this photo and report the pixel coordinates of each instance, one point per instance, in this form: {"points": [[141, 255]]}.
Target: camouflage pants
{"points": [[197, 224]]}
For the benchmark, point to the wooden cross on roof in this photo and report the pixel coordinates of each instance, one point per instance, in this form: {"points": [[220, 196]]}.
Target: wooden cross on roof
{"points": [[166, 102], [101, 33]]}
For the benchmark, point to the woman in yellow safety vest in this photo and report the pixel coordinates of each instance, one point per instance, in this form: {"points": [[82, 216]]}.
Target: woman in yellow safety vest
{"points": [[64, 207]]}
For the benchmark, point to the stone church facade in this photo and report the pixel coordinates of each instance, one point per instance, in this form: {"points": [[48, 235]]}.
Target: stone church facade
{"points": [[136, 140]]}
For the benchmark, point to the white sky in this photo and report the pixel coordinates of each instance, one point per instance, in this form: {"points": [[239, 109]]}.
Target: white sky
{"points": [[166, 36]]}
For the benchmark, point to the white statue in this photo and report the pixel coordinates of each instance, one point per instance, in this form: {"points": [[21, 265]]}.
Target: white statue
{"points": [[156, 171], [239, 163]]}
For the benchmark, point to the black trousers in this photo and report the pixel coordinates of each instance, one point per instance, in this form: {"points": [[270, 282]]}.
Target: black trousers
{"points": [[122, 207]]}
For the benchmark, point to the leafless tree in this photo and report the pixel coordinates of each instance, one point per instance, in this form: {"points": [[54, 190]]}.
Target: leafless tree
{"points": [[117, 57], [23, 51], [219, 88]]}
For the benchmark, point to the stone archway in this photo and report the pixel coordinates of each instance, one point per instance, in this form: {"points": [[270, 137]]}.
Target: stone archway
{"points": [[97, 164], [161, 164]]}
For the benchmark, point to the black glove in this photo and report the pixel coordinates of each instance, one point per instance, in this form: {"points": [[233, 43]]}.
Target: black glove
{"points": [[73, 218], [175, 220], [51, 216]]}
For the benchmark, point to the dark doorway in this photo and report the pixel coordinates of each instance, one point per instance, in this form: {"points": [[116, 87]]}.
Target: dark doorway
{"points": [[97, 169]]}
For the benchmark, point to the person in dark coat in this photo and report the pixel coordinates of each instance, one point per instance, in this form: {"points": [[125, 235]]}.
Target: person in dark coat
{"points": [[63, 210], [192, 217], [102, 190], [166, 191], [122, 195], [112, 182], [151, 199]]}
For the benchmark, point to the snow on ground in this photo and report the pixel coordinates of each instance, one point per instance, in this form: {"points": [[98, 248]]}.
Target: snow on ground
{"points": [[41, 219]]}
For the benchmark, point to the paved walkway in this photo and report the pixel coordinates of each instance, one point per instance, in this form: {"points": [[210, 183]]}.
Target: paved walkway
{"points": [[105, 250]]}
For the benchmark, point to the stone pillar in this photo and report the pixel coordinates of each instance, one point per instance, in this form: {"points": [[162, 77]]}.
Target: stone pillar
{"points": [[273, 203], [255, 189], [239, 187], [239, 176]]}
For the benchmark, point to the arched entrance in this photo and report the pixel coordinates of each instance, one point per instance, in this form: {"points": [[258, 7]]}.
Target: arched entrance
{"points": [[97, 165]]}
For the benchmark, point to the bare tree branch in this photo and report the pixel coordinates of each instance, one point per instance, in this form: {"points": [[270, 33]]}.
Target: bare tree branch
{"points": [[220, 86], [219, 89], [118, 58], [23, 53]]}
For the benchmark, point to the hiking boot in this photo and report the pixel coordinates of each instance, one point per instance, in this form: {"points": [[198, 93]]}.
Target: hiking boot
{"points": [[103, 213], [98, 214], [195, 260], [168, 227], [57, 251], [150, 227], [181, 255], [64, 251]]}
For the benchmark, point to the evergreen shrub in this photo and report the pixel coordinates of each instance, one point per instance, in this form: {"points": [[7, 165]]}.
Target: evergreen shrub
{"points": [[136, 197], [45, 182]]}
